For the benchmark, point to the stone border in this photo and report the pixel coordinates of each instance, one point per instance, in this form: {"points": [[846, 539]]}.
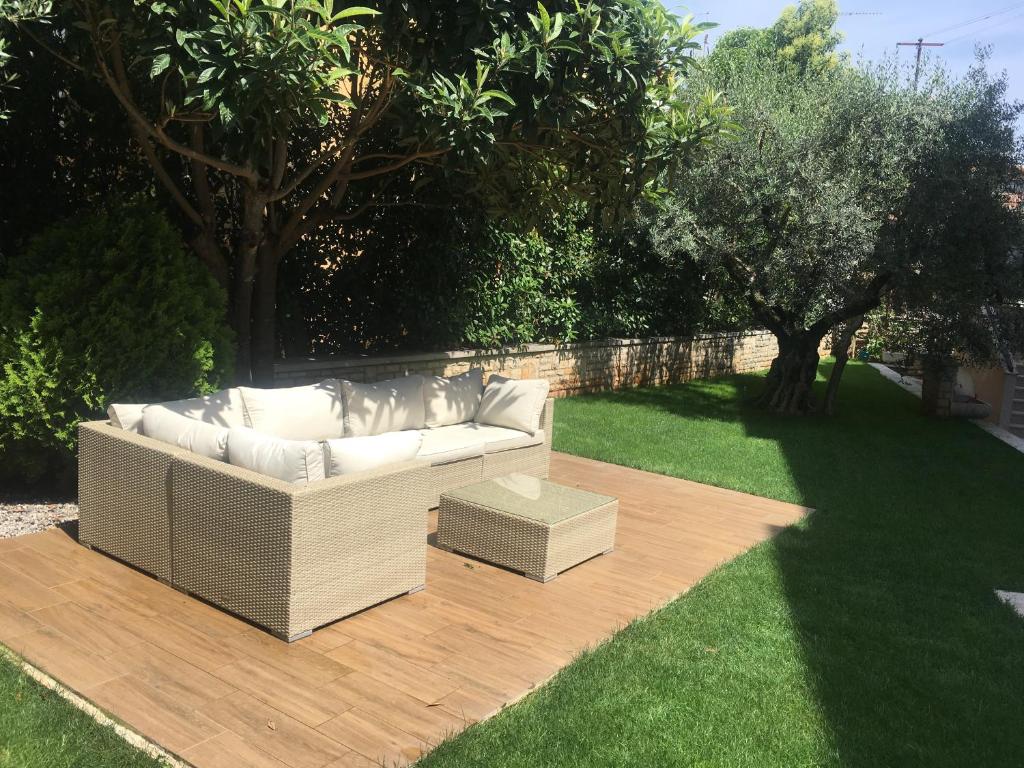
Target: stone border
{"points": [[131, 737], [332, 362]]}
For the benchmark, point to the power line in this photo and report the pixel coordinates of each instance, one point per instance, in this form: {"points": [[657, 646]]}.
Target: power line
{"points": [[983, 17], [975, 32]]}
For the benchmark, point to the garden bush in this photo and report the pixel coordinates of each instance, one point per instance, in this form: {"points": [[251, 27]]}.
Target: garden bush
{"points": [[99, 308]]}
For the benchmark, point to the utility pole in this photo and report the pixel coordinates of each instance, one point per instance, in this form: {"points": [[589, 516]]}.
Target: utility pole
{"points": [[919, 44]]}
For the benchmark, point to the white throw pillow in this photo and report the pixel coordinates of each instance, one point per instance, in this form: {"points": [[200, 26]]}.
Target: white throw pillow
{"points": [[161, 423], [313, 412], [223, 408], [358, 454], [294, 461], [387, 406], [126, 416], [452, 399], [513, 403]]}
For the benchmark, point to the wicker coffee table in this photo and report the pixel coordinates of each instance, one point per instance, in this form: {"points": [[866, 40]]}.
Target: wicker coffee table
{"points": [[527, 524]]}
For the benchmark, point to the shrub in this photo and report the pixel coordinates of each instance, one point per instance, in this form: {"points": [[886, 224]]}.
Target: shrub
{"points": [[100, 308]]}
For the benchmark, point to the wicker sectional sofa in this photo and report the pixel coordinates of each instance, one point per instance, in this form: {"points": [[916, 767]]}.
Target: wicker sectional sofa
{"points": [[286, 556]]}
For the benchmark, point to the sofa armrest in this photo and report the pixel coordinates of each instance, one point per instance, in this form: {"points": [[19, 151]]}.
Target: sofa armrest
{"points": [[123, 483], [547, 421]]}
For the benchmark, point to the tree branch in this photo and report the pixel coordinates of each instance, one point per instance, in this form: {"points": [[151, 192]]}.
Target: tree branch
{"points": [[121, 89]]}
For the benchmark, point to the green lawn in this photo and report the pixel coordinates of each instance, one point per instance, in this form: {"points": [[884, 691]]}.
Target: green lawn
{"points": [[867, 636], [38, 729]]}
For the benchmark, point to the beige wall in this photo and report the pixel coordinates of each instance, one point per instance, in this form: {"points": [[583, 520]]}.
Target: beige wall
{"points": [[571, 368], [989, 386]]}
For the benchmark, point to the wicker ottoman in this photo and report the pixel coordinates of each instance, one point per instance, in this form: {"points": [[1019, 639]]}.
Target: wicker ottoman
{"points": [[527, 524]]}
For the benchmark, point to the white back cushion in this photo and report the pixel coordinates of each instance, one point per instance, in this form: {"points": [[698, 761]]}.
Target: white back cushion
{"points": [[387, 406], [358, 454], [222, 408], [294, 461], [127, 416], [313, 412], [513, 403], [452, 399], [161, 423]]}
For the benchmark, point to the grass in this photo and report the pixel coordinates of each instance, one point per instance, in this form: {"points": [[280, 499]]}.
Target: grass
{"points": [[39, 729], [866, 636]]}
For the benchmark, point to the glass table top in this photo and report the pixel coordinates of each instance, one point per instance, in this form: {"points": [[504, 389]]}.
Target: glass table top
{"points": [[530, 497]]}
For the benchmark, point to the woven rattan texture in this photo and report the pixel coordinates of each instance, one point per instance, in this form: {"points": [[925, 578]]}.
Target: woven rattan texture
{"points": [[123, 481], [539, 550]]}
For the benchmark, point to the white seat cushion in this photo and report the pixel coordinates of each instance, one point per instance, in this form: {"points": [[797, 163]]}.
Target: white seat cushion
{"points": [[386, 406], [443, 445], [498, 439], [452, 399], [294, 461], [165, 425], [513, 403], [312, 412], [346, 455], [127, 416]]}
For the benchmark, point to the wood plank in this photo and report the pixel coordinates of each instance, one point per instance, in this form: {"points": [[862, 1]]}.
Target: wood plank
{"points": [[374, 739], [60, 657], [273, 732], [171, 675], [392, 669], [15, 622], [47, 571], [24, 592], [285, 692], [87, 628], [165, 718], [228, 750], [394, 707], [312, 668]]}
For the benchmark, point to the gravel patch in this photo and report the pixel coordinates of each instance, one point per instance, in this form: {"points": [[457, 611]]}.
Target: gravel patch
{"points": [[18, 518]]}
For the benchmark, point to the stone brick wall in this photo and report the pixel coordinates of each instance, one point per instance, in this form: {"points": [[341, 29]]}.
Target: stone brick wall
{"points": [[571, 368]]}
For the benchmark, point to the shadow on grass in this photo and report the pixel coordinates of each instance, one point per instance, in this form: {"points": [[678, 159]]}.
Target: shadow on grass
{"points": [[889, 585]]}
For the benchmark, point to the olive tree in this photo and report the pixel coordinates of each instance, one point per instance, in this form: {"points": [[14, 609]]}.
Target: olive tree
{"points": [[847, 187], [265, 120]]}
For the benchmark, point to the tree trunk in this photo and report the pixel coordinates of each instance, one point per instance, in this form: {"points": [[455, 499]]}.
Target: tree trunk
{"points": [[841, 349], [264, 343], [789, 387], [249, 241]]}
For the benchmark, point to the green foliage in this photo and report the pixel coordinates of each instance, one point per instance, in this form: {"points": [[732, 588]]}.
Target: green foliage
{"points": [[525, 288], [101, 308], [450, 276], [806, 38], [803, 40]]}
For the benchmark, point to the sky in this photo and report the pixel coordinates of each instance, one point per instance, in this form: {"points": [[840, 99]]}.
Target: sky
{"points": [[898, 20]]}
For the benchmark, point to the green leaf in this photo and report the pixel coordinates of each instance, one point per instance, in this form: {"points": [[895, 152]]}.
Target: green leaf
{"points": [[355, 10], [160, 63], [498, 95]]}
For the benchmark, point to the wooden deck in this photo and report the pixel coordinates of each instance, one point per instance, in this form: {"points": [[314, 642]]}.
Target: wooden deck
{"points": [[380, 687]]}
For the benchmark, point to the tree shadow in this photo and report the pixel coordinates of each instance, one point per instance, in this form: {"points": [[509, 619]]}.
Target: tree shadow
{"points": [[890, 582]]}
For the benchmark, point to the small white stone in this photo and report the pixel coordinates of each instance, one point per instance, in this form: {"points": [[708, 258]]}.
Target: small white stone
{"points": [[1013, 599]]}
